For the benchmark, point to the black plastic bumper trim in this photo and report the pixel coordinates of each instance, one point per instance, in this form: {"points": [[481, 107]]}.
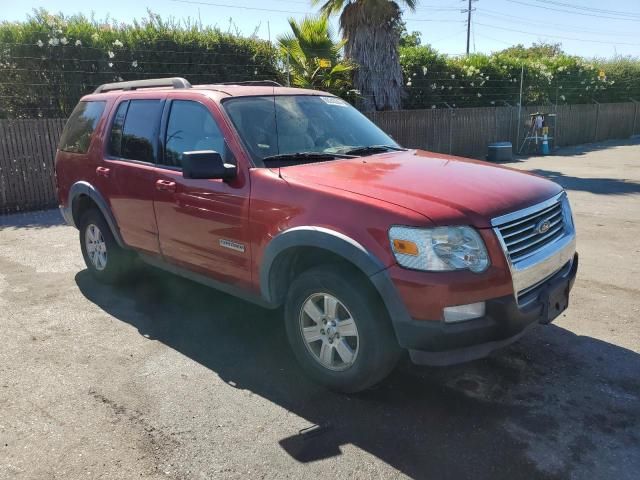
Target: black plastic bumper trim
{"points": [[438, 343]]}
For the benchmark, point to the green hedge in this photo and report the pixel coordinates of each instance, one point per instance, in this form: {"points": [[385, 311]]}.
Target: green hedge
{"points": [[550, 76], [48, 62]]}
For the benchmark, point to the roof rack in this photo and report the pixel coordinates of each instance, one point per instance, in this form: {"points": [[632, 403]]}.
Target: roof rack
{"points": [[256, 83], [174, 82]]}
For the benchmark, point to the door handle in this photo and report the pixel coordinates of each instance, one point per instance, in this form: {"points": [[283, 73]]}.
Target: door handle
{"points": [[165, 186], [103, 172]]}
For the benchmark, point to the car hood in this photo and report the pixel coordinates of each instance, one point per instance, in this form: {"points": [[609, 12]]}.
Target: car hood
{"points": [[448, 190]]}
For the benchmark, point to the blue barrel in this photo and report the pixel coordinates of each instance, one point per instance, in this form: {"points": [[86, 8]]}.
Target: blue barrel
{"points": [[500, 152]]}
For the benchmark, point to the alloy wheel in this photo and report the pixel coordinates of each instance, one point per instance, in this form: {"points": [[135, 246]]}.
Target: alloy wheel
{"points": [[96, 247], [329, 331]]}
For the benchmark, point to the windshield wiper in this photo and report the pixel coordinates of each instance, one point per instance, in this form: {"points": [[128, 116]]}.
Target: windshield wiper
{"points": [[301, 156], [371, 149]]}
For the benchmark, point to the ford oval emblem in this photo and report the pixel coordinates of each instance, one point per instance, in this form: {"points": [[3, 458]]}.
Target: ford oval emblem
{"points": [[543, 226]]}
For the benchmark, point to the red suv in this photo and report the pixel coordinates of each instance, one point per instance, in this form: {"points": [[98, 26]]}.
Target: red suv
{"points": [[291, 197]]}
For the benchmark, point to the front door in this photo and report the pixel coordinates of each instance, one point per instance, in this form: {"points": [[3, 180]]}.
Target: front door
{"points": [[202, 224], [127, 175]]}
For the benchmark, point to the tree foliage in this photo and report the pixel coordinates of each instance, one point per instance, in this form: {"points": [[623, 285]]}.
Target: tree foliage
{"points": [[413, 39], [314, 57], [49, 61]]}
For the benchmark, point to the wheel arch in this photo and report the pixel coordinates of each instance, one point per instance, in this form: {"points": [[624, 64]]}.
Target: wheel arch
{"points": [[83, 195], [302, 247]]}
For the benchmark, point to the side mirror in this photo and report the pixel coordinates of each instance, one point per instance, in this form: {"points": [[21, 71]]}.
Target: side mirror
{"points": [[206, 164]]}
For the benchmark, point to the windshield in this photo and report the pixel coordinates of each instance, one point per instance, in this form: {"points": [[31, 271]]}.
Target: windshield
{"points": [[290, 124]]}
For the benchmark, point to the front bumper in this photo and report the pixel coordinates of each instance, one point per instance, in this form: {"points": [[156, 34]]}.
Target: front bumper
{"points": [[505, 321]]}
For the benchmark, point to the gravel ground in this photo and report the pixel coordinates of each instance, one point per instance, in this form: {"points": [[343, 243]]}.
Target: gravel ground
{"points": [[163, 378]]}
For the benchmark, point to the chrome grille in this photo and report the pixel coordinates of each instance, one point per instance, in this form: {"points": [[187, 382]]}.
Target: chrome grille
{"points": [[523, 236]]}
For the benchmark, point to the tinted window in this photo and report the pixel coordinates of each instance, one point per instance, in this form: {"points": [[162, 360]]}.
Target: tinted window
{"points": [[115, 139], [190, 128], [76, 136], [139, 131]]}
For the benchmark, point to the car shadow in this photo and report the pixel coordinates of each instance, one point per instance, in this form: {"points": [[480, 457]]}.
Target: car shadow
{"points": [[553, 405], [600, 185], [583, 148]]}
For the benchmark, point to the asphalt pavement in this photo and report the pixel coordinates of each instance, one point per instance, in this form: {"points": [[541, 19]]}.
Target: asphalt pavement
{"points": [[164, 378]]}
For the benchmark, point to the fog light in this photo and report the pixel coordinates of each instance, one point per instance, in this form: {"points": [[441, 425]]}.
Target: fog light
{"points": [[461, 313]]}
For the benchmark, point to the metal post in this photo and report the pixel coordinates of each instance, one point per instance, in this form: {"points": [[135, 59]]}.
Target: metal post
{"points": [[635, 116], [595, 133], [450, 126], [507, 104], [520, 105], [288, 77]]}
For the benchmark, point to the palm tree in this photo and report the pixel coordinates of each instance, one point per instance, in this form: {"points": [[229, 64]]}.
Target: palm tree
{"points": [[313, 56], [372, 31]]}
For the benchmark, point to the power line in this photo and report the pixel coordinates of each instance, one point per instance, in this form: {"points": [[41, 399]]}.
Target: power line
{"points": [[431, 42], [433, 7], [273, 10], [538, 34], [573, 12], [544, 23], [494, 39], [202, 50], [242, 7], [588, 9]]}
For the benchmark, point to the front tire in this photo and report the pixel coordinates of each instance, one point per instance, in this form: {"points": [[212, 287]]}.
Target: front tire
{"points": [[104, 258], [339, 329]]}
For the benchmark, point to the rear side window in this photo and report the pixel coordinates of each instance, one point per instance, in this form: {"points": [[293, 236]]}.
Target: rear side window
{"points": [[76, 135], [115, 139], [134, 130]]}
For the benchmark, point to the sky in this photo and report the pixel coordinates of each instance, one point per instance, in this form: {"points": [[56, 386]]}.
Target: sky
{"points": [[589, 28]]}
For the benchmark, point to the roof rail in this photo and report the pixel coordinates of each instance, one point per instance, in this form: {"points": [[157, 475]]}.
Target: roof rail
{"points": [[257, 83], [175, 82]]}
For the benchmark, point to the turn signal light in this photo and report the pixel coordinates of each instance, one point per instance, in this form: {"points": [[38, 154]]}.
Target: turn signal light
{"points": [[405, 247]]}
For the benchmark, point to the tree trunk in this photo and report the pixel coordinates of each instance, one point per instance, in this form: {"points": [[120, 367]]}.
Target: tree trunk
{"points": [[372, 43]]}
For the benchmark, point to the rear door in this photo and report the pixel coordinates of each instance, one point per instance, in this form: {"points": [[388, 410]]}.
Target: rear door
{"points": [[127, 175], [202, 224], [79, 149]]}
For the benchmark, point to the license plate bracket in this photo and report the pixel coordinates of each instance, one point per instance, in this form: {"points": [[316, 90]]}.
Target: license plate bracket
{"points": [[556, 301]]}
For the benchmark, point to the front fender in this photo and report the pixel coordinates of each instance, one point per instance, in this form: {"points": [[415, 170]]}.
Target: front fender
{"points": [[341, 245]]}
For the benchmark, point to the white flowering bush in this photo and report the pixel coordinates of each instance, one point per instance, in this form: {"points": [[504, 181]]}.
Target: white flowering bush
{"points": [[49, 61], [550, 76]]}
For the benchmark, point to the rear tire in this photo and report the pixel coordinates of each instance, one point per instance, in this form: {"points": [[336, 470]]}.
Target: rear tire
{"points": [[104, 258], [339, 329]]}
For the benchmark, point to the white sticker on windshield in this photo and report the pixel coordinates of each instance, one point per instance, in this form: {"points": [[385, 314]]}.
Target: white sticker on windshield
{"points": [[335, 101]]}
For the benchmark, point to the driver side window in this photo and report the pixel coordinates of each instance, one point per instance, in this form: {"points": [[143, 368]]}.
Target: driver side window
{"points": [[191, 128]]}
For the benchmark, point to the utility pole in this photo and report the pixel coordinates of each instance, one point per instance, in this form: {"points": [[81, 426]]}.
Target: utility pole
{"points": [[468, 12]]}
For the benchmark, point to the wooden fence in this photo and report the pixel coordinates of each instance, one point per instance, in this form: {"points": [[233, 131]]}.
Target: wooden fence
{"points": [[27, 147], [27, 150], [466, 132]]}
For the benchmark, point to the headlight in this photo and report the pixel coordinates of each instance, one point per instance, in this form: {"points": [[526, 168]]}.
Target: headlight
{"points": [[439, 249]]}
